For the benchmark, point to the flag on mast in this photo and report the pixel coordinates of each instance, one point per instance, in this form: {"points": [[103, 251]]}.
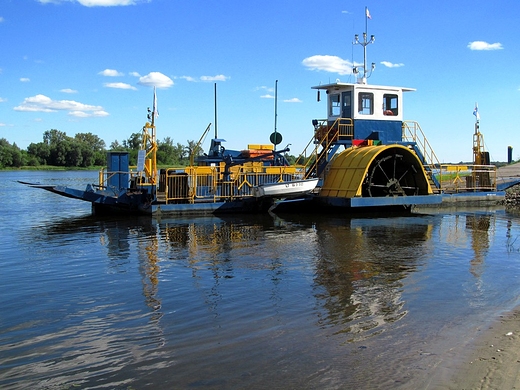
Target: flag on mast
{"points": [[155, 112], [476, 113], [367, 12]]}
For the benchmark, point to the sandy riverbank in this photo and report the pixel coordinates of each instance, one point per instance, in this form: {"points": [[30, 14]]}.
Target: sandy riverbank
{"points": [[492, 360]]}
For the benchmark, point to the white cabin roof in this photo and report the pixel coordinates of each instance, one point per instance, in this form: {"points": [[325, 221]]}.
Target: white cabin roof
{"points": [[344, 86]]}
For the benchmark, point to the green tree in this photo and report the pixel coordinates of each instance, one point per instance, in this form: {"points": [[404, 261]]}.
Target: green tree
{"points": [[74, 155], [91, 140], [134, 142], [19, 158], [100, 158], [10, 155], [167, 153], [290, 159], [53, 137], [116, 146], [6, 158], [92, 149], [40, 153], [59, 153]]}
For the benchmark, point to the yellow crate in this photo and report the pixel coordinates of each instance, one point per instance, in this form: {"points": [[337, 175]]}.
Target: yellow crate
{"points": [[456, 168], [260, 147]]}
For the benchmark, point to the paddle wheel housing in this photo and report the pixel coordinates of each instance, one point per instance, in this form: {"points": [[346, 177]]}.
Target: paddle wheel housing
{"points": [[376, 171]]}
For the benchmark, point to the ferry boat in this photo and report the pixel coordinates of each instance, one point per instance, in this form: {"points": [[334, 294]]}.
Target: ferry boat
{"points": [[220, 181], [363, 155]]}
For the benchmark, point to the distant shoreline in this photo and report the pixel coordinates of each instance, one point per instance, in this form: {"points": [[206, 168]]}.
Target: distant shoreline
{"points": [[50, 168], [56, 168]]}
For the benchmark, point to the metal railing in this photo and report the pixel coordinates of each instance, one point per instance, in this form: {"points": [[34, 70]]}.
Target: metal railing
{"points": [[413, 132], [105, 176], [324, 136], [467, 178], [210, 184]]}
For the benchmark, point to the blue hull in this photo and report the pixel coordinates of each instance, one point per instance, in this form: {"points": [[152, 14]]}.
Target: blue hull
{"points": [[139, 202]]}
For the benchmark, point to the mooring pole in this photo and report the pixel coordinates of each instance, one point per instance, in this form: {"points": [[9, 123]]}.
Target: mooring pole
{"points": [[216, 131], [275, 111]]}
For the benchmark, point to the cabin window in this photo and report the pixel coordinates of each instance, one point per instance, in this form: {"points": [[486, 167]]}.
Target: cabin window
{"points": [[366, 103], [335, 107], [390, 106]]}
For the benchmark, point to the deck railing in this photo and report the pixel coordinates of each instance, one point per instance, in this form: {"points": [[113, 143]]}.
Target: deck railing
{"points": [[413, 132], [209, 184], [132, 175], [467, 178], [324, 136]]}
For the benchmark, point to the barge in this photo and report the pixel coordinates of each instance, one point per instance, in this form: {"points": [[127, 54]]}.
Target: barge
{"points": [[363, 156]]}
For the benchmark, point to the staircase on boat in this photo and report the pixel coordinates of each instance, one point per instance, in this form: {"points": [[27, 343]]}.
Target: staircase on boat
{"points": [[325, 143]]}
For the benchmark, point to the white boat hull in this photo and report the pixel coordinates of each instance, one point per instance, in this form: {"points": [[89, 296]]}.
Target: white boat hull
{"points": [[285, 189]]}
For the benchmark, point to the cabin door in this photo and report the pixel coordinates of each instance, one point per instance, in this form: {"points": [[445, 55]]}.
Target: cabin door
{"points": [[346, 104]]}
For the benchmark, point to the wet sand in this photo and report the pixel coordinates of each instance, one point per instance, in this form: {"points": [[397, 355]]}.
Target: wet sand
{"points": [[491, 361]]}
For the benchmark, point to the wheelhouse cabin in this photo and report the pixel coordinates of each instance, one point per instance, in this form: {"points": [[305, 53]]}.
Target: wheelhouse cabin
{"points": [[364, 112]]}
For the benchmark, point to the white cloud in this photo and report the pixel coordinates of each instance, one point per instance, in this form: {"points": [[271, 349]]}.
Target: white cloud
{"points": [[481, 45], [83, 114], [96, 3], [219, 77], [42, 103], [264, 88], [111, 73], [328, 63], [68, 90], [25, 79], [2, 100], [156, 79], [391, 65], [105, 3], [293, 100], [1, 19], [135, 74], [120, 86]]}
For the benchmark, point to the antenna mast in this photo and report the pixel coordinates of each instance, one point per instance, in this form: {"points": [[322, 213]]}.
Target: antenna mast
{"points": [[364, 43], [478, 141], [147, 155]]}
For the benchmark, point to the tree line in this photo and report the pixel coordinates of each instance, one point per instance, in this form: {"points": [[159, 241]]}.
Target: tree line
{"points": [[86, 150]]}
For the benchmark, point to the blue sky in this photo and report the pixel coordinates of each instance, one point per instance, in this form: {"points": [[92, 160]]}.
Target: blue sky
{"points": [[90, 66]]}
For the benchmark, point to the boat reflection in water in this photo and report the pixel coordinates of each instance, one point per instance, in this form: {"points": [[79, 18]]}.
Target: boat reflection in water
{"points": [[361, 274], [250, 301], [354, 279]]}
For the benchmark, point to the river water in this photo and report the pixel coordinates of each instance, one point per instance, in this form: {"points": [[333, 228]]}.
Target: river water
{"points": [[239, 302]]}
